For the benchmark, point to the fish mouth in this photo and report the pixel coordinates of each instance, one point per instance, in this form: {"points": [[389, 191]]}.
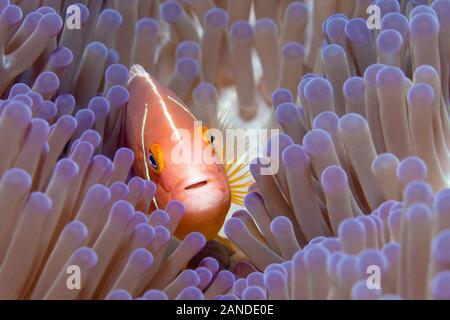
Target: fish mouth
{"points": [[196, 185], [206, 202], [193, 192]]}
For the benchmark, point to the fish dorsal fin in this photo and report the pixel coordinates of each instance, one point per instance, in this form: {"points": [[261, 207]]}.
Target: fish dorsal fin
{"points": [[240, 179], [137, 70], [235, 158]]}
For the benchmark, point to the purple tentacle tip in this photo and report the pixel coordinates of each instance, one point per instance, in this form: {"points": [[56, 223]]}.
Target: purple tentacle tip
{"points": [[205, 92], [293, 50], [187, 68], [96, 48], [233, 226], [171, 11], [118, 96], [254, 293], [92, 137], [122, 211], [147, 26], [334, 28], [440, 287], [155, 295], [281, 225], [31, 21], [315, 256], [119, 294], [99, 105], [295, 155], [390, 41], [265, 25], [357, 31], [83, 10], [76, 230], [142, 259], [319, 89], [350, 227], [18, 88], [46, 83], [110, 18], [195, 240], [18, 113], [11, 16], [210, 263], [46, 9], [441, 247], [354, 86], [117, 74], [124, 156], [50, 24], [18, 179], [274, 279], [47, 110], [333, 179], [297, 10], [216, 17], [412, 167], [280, 96], [190, 293], [286, 112], [61, 58], [241, 31], [21, 98], [205, 276], [159, 218], [188, 49]]}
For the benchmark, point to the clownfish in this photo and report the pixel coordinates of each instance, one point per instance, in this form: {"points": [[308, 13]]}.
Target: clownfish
{"points": [[154, 124]]}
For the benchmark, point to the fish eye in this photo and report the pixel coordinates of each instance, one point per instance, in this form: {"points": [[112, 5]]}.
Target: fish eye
{"points": [[152, 161], [155, 158], [207, 137]]}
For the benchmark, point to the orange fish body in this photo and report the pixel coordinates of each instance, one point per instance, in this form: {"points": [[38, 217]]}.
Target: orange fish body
{"points": [[155, 123]]}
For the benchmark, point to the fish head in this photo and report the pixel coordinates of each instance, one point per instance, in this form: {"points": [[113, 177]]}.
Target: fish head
{"points": [[178, 155]]}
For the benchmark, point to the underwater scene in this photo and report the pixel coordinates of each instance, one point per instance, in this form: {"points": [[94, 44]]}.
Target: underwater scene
{"points": [[224, 150]]}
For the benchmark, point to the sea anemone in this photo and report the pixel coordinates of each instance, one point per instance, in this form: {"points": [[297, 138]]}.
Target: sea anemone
{"points": [[369, 134], [406, 241], [363, 152], [64, 202]]}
